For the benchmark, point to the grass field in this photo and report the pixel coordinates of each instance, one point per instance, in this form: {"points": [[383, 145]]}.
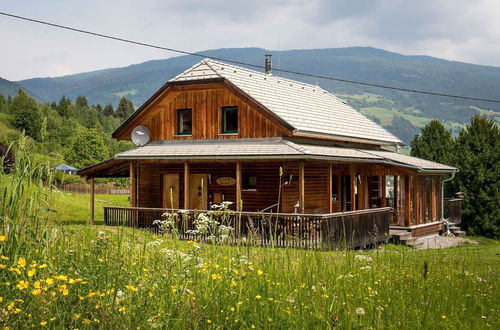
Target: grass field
{"points": [[61, 274]]}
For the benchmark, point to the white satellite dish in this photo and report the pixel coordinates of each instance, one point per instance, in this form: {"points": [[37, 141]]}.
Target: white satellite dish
{"points": [[140, 136]]}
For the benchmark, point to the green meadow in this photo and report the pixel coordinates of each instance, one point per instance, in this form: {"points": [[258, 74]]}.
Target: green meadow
{"points": [[58, 272]]}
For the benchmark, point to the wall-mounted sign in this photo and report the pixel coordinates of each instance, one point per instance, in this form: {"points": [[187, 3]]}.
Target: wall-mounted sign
{"points": [[225, 181]]}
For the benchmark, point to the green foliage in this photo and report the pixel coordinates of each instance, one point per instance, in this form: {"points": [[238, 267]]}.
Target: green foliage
{"points": [[108, 110], [477, 156], [125, 108], [433, 143], [26, 114], [402, 128], [88, 147]]}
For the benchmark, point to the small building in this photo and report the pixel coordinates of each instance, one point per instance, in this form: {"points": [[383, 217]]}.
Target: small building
{"points": [[67, 169], [220, 132]]}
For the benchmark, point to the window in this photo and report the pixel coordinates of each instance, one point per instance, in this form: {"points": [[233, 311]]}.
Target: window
{"points": [[250, 182], [229, 120], [184, 121]]}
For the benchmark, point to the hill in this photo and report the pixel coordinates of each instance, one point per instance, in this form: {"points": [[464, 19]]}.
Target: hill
{"points": [[401, 112]]}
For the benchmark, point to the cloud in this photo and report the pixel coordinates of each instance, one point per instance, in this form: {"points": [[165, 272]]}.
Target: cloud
{"points": [[457, 30]]}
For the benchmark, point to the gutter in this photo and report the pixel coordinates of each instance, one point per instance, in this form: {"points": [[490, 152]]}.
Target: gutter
{"points": [[445, 222]]}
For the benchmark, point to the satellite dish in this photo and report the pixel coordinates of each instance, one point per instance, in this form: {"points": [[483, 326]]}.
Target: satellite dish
{"points": [[140, 136]]}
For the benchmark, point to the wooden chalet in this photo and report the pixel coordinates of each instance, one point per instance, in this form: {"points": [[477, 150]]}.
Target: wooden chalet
{"points": [[220, 132]]}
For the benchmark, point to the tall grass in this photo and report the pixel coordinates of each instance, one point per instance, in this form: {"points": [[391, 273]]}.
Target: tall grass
{"points": [[119, 278]]}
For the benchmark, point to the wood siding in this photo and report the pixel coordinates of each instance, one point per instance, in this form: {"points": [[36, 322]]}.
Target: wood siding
{"points": [[161, 117]]}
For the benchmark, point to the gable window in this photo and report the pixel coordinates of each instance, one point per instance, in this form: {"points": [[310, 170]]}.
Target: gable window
{"points": [[229, 120], [250, 182], [184, 122]]}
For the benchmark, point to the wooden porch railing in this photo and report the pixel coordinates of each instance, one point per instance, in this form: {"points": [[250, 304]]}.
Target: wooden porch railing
{"points": [[310, 231], [454, 210]]}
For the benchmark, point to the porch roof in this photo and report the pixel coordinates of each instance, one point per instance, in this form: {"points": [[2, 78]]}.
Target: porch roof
{"points": [[256, 149]]}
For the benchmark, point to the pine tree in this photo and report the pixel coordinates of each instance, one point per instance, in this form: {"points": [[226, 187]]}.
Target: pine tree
{"points": [[477, 156], [81, 102], [108, 110], [434, 143], [26, 114], [64, 108], [125, 108]]}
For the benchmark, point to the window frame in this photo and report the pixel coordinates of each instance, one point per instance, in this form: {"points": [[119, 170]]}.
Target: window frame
{"points": [[223, 120], [179, 126], [246, 182]]}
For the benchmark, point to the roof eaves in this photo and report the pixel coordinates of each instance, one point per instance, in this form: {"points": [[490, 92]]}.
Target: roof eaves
{"points": [[349, 138]]}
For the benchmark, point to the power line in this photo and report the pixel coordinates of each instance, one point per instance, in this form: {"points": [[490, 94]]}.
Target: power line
{"points": [[246, 64]]}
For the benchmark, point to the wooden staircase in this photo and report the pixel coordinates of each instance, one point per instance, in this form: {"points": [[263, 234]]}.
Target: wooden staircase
{"points": [[404, 237], [455, 230]]}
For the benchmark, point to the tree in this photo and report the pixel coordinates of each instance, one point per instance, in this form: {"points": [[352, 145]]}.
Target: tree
{"points": [[87, 148], [125, 108], [434, 143], [65, 108], [81, 102], [477, 156], [26, 114], [402, 128], [108, 110]]}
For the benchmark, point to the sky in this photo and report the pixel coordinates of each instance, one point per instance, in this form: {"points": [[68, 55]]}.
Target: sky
{"points": [[459, 30]]}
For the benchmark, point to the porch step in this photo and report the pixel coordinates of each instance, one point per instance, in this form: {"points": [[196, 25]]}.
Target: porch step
{"points": [[459, 233], [402, 237]]}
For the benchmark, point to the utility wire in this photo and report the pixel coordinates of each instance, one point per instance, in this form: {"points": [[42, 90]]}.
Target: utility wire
{"points": [[244, 63]]}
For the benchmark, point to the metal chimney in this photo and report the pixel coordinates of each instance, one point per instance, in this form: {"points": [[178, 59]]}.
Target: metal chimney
{"points": [[268, 64]]}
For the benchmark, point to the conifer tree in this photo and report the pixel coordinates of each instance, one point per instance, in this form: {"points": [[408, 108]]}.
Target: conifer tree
{"points": [[434, 143], [26, 114], [125, 108], [477, 157], [108, 110]]}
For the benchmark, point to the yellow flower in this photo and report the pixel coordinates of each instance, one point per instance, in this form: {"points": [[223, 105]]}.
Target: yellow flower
{"points": [[49, 281], [22, 285], [36, 292], [42, 266], [63, 289], [1, 299], [131, 288], [12, 269], [2, 238], [86, 321], [209, 321], [258, 297], [32, 272], [233, 283], [37, 285], [11, 306], [4, 258], [43, 323], [121, 309], [61, 277], [260, 272], [2, 266], [21, 262], [240, 303], [232, 309], [75, 317], [173, 288], [269, 319], [443, 316], [214, 276]]}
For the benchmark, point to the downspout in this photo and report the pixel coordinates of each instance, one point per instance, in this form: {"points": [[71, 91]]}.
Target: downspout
{"points": [[445, 222]]}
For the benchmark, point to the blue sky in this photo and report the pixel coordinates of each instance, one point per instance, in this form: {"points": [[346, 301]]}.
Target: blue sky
{"points": [[460, 30]]}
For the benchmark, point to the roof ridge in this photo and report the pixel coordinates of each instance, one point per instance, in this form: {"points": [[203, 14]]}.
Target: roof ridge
{"points": [[193, 67]]}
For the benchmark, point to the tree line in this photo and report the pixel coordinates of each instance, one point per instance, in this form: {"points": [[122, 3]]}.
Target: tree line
{"points": [[476, 154]]}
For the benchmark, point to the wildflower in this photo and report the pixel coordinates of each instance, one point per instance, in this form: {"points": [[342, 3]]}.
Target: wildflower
{"points": [[260, 272], [231, 309], [1, 299], [131, 288], [3, 238], [258, 297], [75, 317], [22, 285], [121, 309], [119, 293], [269, 319], [21, 262], [2, 266], [216, 276], [233, 283], [32, 272], [325, 296], [37, 285], [360, 311], [63, 289], [443, 317], [240, 303], [11, 306], [36, 292], [86, 321], [49, 281], [60, 277], [173, 288], [209, 321], [42, 266], [43, 323], [16, 270]]}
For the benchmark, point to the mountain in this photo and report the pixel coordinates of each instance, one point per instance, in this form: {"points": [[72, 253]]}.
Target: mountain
{"points": [[393, 109], [8, 88]]}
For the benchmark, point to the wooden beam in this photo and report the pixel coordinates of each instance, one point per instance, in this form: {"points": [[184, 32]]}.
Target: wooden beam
{"points": [[353, 187], [133, 185], [92, 200], [382, 191], [433, 199], [301, 186], [407, 200], [418, 213], [395, 201], [238, 186], [330, 184], [186, 185]]}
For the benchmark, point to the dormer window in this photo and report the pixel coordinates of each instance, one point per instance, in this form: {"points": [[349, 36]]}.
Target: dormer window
{"points": [[184, 121], [229, 120]]}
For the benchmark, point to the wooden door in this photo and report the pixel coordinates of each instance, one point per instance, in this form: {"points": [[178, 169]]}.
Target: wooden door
{"points": [[171, 191], [198, 191]]}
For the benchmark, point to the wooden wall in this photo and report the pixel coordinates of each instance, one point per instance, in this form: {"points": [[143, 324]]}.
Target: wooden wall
{"points": [[206, 104]]}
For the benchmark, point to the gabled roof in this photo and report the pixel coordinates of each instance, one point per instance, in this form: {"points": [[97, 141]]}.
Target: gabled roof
{"points": [[309, 109]]}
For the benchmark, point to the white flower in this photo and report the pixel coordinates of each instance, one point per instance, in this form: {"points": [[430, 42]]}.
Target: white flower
{"points": [[119, 293], [363, 257], [360, 311]]}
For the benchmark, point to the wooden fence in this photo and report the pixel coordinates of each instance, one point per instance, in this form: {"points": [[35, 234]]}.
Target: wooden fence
{"points": [[82, 188], [311, 231], [454, 210]]}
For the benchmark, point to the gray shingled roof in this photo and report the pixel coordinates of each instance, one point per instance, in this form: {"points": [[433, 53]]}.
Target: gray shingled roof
{"points": [[308, 108], [273, 148]]}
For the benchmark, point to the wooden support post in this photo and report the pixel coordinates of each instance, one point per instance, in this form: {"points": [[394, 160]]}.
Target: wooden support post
{"points": [[301, 186], [133, 185], [439, 198], [418, 213], [433, 199], [353, 188], [395, 201], [330, 184], [407, 201], [383, 196], [92, 200], [238, 186], [186, 185]]}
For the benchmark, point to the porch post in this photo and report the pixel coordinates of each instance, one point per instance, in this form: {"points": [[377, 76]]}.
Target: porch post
{"points": [[407, 200], [133, 185], [353, 187], [395, 199], [330, 183], [433, 199], [301, 186], [418, 218], [186, 185], [92, 193], [382, 191], [238, 186]]}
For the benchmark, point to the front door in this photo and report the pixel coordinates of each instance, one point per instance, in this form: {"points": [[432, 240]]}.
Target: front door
{"points": [[171, 191], [198, 191]]}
